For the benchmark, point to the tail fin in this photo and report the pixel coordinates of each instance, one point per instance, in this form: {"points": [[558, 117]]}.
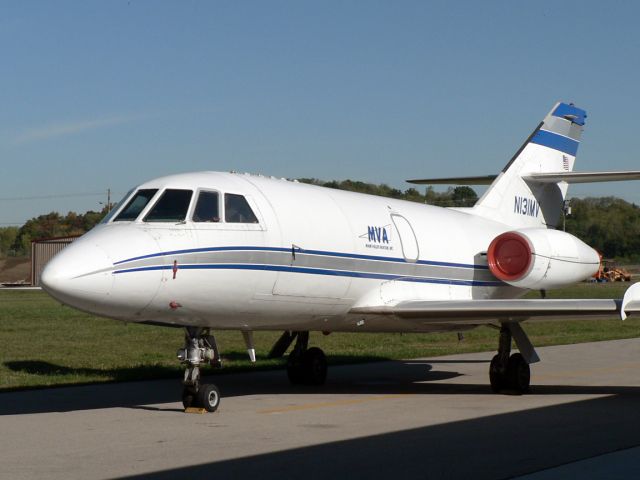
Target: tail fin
{"points": [[551, 148]]}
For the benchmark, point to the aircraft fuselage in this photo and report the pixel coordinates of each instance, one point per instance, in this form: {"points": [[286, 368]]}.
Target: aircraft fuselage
{"points": [[313, 254]]}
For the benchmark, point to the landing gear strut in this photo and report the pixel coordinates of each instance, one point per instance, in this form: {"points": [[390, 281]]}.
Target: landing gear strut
{"points": [[306, 366], [508, 372], [199, 348]]}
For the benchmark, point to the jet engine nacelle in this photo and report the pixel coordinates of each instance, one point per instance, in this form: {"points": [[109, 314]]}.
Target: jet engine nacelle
{"points": [[538, 259]]}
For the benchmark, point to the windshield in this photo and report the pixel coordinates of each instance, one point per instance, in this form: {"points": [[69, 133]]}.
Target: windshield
{"points": [[171, 207], [116, 207], [136, 205]]}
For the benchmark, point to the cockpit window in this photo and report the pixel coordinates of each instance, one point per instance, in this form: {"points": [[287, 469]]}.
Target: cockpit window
{"points": [[116, 207], [171, 207], [237, 209], [207, 208], [136, 205]]}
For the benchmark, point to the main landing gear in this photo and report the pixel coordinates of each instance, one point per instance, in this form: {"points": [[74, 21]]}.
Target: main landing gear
{"points": [[199, 348], [305, 366], [510, 372]]}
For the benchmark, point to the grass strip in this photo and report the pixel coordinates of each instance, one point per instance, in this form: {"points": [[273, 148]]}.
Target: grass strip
{"points": [[44, 344]]}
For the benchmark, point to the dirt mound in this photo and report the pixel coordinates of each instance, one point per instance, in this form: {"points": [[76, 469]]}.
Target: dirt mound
{"points": [[15, 270]]}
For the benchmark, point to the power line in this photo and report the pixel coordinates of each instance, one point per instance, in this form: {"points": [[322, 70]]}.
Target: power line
{"points": [[46, 197], [109, 194]]}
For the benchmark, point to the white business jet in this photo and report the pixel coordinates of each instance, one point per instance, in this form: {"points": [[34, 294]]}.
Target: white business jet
{"points": [[227, 251]]}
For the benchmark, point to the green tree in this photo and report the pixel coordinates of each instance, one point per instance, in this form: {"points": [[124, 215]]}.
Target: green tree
{"points": [[53, 225], [453, 197], [464, 196], [608, 224], [7, 238]]}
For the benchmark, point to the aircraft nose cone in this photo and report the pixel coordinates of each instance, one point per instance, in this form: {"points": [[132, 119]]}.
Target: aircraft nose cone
{"points": [[80, 275]]}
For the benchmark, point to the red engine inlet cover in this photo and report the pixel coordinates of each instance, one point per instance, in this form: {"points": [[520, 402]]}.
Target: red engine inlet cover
{"points": [[509, 256]]}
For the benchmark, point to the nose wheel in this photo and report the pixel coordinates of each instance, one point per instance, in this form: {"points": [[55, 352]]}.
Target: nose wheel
{"points": [[207, 396], [200, 347]]}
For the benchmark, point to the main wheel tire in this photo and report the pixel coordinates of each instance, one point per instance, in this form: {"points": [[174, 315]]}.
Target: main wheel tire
{"points": [[314, 365], [518, 373], [295, 370], [209, 397], [496, 376], [188, 397]]}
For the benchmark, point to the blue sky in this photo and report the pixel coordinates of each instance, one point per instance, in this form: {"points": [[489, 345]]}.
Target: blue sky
{"points": [[99, 95]]}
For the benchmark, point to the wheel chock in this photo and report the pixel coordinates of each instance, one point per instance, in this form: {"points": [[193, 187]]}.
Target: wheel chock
{"points": [[195, 410]]}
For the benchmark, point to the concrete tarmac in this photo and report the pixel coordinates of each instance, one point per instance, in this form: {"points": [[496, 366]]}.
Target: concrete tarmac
{"points": [[425, 418]]}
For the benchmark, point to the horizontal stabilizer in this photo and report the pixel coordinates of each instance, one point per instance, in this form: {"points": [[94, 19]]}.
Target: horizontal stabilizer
{"points": [[583, 177], [553, 177]]}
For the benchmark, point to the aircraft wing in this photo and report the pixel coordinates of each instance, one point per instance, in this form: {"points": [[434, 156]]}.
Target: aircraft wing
{"points": [[478, 312]]}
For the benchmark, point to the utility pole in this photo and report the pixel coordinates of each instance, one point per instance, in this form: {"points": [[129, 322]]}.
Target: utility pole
{"points": [[108, 200], [566, 210]]}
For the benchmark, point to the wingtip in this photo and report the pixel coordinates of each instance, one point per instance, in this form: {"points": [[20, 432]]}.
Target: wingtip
{"points": [[630, 300]]}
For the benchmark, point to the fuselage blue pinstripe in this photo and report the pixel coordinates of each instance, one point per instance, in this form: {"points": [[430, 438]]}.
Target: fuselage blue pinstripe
{"points": [[362, 272]]}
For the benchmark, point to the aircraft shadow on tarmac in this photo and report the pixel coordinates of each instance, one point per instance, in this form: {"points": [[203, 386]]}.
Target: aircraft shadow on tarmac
{"points": [[492, 447], [391, 377]]}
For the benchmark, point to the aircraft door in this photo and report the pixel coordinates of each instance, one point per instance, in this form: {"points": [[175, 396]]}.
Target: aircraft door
{"points": [[316, 238], [408, 240]]}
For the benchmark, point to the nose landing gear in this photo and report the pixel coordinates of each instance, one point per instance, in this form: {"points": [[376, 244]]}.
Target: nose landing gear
{"points": [[199, 348]]}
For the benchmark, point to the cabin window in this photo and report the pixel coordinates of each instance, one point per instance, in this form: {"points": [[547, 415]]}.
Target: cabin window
{"points": [[237, 209], [136, 205], [207, 208], [171, 207]]}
